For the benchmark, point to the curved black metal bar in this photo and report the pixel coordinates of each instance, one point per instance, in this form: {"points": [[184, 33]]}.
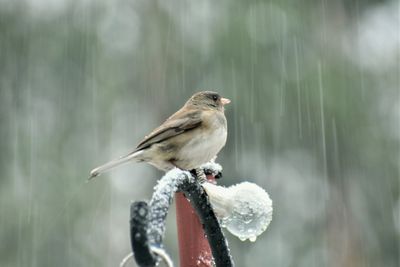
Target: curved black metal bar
{"points": [[139, 240], [199, 201], [148, 221]]}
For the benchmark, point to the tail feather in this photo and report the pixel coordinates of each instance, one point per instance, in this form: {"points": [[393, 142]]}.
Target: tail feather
{"points": [[114, 163]]}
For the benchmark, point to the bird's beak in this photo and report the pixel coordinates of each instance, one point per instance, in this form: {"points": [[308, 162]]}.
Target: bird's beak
{"points": [[225, 101]]}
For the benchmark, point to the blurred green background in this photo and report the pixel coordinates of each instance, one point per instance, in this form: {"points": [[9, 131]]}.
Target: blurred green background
{"points": [[314, 119]]}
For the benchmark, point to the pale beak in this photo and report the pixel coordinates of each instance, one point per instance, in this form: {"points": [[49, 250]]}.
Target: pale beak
{"points": [[225, 101]]}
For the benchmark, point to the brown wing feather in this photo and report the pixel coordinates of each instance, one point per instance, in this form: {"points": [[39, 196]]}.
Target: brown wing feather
{"points": [[183, 120]]}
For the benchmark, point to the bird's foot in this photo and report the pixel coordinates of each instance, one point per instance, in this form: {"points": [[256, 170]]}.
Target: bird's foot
{"points": [[199, 174]]}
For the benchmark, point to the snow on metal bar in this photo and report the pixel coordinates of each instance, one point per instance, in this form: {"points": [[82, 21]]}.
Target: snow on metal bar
{"points": [[159, 205], [212, 168], [148, 220]]}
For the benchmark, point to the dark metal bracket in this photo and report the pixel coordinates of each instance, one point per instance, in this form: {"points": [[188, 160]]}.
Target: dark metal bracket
{"points": [[147, 221]]}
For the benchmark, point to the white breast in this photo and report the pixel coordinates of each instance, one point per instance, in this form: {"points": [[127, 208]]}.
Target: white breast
{"points": [[203, 147]]}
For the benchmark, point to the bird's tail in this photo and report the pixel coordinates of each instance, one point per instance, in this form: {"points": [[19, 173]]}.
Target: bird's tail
{"points": [[114, 163]]}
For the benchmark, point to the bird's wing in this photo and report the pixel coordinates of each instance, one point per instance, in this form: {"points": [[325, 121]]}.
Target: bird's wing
{"points": [[182, 121]]}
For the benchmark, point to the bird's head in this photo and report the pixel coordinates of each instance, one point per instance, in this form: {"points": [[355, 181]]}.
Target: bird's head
{"points": [[208, 100]]}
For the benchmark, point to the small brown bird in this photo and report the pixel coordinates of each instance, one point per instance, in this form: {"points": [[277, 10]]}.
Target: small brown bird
{"points": [[190, 137]]}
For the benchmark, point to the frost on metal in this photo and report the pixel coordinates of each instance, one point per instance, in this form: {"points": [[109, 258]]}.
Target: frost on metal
{"points": [[148, 219], [163, 195], [212, 168], [162, 198], [244, 209]]}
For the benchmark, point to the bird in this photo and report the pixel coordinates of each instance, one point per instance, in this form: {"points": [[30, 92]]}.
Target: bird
{"points": [[189, 138]]}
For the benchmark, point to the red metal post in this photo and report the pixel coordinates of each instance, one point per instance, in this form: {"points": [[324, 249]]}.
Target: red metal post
{"points": [[194, 250]]}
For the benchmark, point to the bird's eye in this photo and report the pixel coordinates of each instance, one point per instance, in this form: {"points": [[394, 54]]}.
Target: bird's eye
{"points": [[215, 97]]}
